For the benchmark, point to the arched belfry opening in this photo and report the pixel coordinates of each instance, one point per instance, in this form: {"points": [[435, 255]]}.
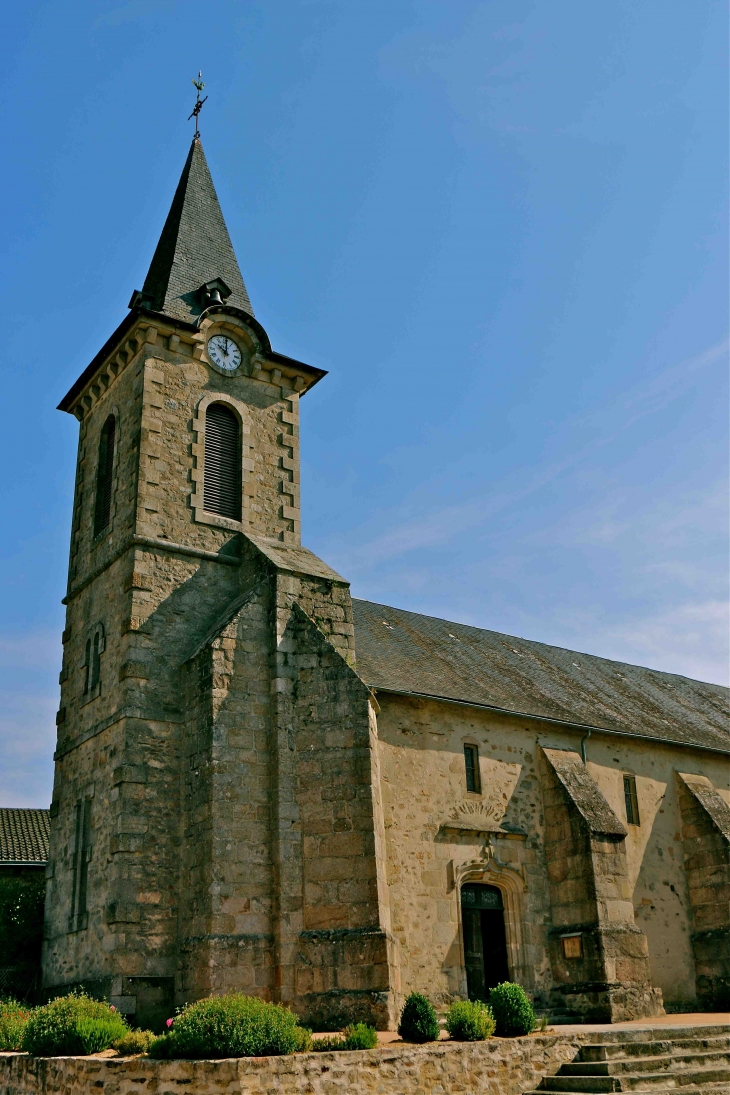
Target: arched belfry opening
{"points": [[485, 939], [222, 482]]}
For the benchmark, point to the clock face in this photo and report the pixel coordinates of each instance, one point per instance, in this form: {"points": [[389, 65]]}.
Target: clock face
{"points": [[224, 353]]}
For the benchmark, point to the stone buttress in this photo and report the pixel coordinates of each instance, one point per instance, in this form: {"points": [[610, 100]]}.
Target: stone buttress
{"points": [[706, 840], [283, 876], [590, 900]]}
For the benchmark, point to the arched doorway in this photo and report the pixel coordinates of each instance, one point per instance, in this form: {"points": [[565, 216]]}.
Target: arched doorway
{"points": [[485, 944]]}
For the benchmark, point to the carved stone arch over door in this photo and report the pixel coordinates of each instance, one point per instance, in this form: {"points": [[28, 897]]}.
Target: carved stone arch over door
{"points": [[511, 885]]}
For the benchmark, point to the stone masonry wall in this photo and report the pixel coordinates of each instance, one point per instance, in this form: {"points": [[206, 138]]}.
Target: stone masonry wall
{"points": [[498, 1066], [430, 856], [434, 843]]}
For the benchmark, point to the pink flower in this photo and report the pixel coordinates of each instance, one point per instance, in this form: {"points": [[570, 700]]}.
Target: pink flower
{"points": [[168, 1022], [112, 1008]]}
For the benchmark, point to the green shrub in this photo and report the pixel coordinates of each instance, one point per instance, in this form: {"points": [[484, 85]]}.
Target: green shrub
{"points": [[133, 1042], [512, 1009], [418, 1020], [73, 1025], [13, 1018], [329, 1043], [470, 1021], [98, 1034], [360, 1036], [232, 1026], [355, 1036], [161, 1047]]}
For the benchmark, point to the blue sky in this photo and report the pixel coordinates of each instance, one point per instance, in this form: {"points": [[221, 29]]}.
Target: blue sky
{"points": [[501, 226]]}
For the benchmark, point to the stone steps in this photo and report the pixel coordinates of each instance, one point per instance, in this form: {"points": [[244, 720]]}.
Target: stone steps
{"points": [[646, 1063], [705, 1086], [688, 1061], [608, 1051], [648, 1034], [664, 1080]]}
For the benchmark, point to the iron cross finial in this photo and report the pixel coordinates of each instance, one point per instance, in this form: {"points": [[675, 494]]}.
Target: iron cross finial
{"points": [[198, 85]]}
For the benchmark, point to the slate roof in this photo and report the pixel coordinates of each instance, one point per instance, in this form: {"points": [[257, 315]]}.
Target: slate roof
{"points": [[24, 836], [401, 651], [194, 247]]}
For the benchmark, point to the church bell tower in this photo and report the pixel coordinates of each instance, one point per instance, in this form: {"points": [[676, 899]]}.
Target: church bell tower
{"points": [[216, 817]]}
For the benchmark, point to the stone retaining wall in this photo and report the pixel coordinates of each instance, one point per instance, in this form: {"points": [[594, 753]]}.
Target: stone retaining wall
{"points": [[499, 1066]]}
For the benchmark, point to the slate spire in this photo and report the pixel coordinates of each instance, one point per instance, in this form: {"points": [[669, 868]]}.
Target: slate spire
{"points": [[194, 248]]}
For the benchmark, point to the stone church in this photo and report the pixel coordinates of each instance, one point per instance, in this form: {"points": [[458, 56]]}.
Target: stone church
{"points": [[264, 785]]}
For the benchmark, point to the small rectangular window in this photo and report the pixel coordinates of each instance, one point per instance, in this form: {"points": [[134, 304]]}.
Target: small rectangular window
{"points": [[471, 761], [632, 802]]}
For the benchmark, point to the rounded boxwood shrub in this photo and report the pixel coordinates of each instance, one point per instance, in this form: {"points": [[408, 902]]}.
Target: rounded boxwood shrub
{"points": [[233, 1025], [418, 1020], [72, 1026], [512, 1009], [355, 1036], [13, 1018], [470, 1021]]}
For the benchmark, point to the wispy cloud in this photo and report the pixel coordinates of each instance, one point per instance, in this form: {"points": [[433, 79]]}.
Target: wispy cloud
{"points": [[609, 421], [690, 639]]}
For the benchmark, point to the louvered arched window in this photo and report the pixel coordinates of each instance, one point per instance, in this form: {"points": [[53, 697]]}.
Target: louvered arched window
{"points": [[104, 471], [222, 485]]}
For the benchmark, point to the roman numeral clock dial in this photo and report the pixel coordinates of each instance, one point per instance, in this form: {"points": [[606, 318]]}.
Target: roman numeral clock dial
{"points": [[224, 353]]}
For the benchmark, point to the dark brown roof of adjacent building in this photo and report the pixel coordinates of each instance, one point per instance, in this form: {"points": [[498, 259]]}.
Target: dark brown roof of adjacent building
{"points": [[24, 836], [399, 651]]}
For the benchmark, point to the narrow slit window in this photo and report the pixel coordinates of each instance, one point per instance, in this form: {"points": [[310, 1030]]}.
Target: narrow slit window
{"points": [[93, 650], [104, 481], [471, 763], [632, 802], [80, 865], [84, 852], [95, 661], [75, 867], [222, 479], [87, 666]]}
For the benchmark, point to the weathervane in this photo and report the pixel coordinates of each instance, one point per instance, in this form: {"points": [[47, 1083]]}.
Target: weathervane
{"points": [[198, 85]]}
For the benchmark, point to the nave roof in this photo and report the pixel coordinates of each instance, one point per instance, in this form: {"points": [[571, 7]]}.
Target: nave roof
{"points": [[400, 651]]}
